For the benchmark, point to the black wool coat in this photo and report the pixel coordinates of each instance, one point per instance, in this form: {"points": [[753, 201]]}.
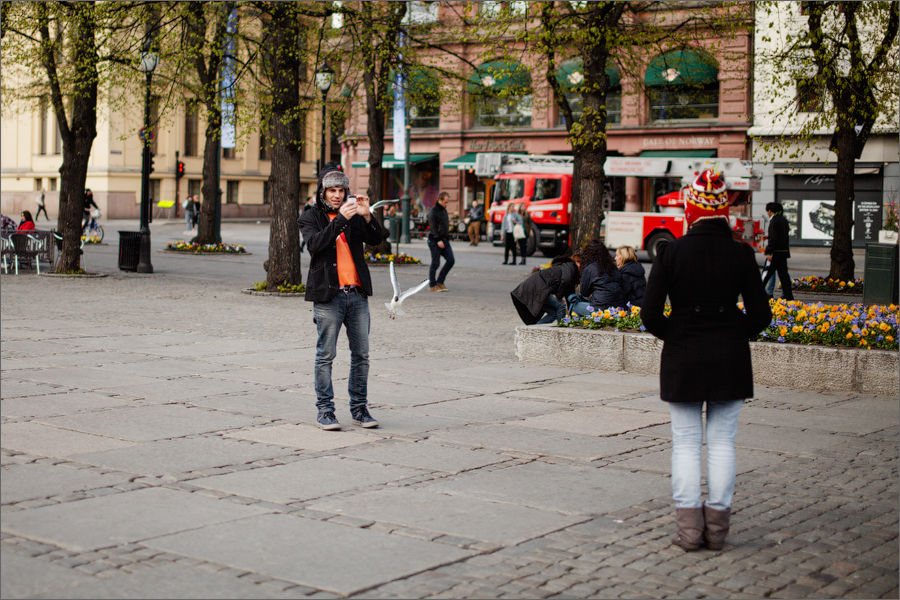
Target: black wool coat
{"points": [[529, 297], [779, 236], [706, 350], [601, 289], [634, 282], [321, 235]]}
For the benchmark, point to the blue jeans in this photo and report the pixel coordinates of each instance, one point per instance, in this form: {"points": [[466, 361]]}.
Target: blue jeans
{"points": [[687, 440], [554, 310], [352, 311], [582, 308], [189, 217], [436, 253]]}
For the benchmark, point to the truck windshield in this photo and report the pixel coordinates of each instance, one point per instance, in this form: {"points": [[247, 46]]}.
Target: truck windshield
{"points": [[545, 189], [510, 189]]}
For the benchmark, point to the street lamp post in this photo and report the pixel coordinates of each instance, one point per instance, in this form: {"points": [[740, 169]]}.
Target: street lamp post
{"points": [[324, 77], [149, 61]]}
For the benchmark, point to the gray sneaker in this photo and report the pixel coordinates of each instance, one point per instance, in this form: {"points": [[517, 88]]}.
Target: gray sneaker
{"points": [[328, 422], [362, 418]]}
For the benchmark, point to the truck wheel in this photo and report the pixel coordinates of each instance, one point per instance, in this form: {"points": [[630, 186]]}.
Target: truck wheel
{"points": [[656, 240], [532, 243]]}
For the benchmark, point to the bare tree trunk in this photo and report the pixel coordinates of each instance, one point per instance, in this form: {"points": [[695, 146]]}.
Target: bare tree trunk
{"points": [[206, 223], [284, 264], [375, 131], [842, 264]]}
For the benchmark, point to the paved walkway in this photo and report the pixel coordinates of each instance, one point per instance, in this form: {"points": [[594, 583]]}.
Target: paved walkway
{"points": [[158, 441]]}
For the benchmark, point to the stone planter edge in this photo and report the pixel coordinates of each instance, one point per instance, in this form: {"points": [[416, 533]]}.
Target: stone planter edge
{"points": [[819, 368]]}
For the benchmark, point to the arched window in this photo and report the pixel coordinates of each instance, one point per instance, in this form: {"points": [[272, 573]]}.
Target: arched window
{"points": [[501, 95], [423, 92], [682, 85], [570, 75]]}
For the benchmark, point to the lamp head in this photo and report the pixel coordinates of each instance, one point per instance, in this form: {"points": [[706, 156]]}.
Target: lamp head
{"points": [[324, 77]]}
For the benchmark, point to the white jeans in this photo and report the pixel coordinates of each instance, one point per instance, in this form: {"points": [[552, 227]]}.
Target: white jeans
{"points": [[687, 441]]}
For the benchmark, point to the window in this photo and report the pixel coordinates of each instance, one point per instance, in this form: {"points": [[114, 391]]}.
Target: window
{"points": [[490, 10], [38, 184], [57, 138], [570, 75], [509, 189], [266, 193], [194, 188], [337, 19], [501, 95], [231, 192], [191, 127], [422, 12], [228, 153], [809, 96], [545, 189], [424, 97], [682, 85], [42, 141], [53, 184]]}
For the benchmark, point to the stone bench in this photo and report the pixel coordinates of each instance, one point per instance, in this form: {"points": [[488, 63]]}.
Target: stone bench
{"points": [[821, 368]]}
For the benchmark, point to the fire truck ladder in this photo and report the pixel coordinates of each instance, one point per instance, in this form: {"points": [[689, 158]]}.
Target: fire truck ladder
{"points": [[489, 164]]}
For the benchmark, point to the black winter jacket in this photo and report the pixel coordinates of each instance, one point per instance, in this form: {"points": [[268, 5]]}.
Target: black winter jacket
{"points": [[706, 350], [779, 241], [604, 291], [529, 297], [634, 282], [320, 234], [439, 224]]}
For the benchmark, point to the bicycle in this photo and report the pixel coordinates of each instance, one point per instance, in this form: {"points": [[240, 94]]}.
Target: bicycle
{"points": [[93, 231]]}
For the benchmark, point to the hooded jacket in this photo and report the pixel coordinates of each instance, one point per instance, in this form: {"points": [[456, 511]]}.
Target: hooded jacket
{"points": [[603, 290], [320, 234], [530, 295], [633, 282]]}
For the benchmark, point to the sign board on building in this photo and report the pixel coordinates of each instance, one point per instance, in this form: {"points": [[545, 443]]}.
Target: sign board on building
{"points": [[496, 145]]}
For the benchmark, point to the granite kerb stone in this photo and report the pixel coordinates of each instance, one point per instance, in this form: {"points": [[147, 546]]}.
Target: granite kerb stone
{"points": [[819, 368]]}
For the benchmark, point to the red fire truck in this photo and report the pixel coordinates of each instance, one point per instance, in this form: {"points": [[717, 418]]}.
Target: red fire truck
{"points": [[544, 184]]}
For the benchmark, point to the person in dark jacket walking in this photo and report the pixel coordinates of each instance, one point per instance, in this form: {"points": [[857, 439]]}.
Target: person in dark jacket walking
{"points": [[778, 250], [601, 284], [634, 282], [476, 218], [705, 356], [439, 243], [538, 298], [339, 285]]}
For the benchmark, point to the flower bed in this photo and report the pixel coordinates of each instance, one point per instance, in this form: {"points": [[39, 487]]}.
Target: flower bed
{"points": [[91, 239], [398, 259], [827, 286], [190, 248], [853, 325]]}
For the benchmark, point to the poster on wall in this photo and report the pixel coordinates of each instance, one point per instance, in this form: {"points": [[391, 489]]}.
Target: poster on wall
{"points": [[816, 220], [790, 213]]}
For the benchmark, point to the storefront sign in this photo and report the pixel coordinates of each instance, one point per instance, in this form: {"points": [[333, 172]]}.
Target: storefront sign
{"points": [[671, 143], [496, 145]]}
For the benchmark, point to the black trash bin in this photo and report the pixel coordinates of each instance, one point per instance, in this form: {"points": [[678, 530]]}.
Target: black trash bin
{"points": [[881, 278], [129, 250]]}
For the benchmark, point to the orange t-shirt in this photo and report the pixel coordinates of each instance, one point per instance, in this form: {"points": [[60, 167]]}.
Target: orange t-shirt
{"points": [[346, 268]]}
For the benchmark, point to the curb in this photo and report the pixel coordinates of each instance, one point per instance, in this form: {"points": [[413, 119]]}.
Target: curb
{"points": [[76, 275], [205, 253], [258, 293], [819, 368]]}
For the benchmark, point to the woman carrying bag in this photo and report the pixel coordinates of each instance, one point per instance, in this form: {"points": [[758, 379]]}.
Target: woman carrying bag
{"points": [[510, 222]]}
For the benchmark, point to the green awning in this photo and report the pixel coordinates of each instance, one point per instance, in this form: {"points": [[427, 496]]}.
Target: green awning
{"points": [[389, 162], [500, 76], [571, 73], [682, 67], [680, 153]]}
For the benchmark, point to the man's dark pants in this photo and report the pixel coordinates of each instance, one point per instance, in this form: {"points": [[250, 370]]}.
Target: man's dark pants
{"points": [[436, 253]]}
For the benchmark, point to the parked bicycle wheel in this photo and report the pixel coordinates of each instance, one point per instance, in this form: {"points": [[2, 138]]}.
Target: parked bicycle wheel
{"points": [[98, 231]]}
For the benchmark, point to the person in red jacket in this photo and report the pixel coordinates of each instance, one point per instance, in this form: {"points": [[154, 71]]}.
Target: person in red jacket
{"points": [[27, 223]]}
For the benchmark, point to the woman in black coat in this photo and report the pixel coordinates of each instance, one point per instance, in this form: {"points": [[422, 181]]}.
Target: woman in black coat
{"points": [[537, 299], [634, 282], [601, 284], [705, 355]]}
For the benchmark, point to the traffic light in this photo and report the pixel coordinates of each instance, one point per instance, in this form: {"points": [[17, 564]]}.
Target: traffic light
{"points": [[179, 169], [150, 166]]}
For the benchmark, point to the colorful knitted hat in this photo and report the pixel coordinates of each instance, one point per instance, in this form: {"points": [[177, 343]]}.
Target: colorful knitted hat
{"points": [[706, 197]]}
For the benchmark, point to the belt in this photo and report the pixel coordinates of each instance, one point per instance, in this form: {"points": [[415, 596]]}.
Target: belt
{"points": [[347, 289]]}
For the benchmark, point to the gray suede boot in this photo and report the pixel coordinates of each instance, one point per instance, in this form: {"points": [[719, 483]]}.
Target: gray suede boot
{"points": [[689, 528], [717, 525]]}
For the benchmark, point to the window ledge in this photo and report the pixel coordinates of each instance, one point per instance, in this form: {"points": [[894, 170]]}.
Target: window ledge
{"points": [[682, 122]]}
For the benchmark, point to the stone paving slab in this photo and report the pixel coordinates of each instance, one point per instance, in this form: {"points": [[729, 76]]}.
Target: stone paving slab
{"points": [[481, 409], [461, 386], [396, 423], [293, 379], [423, 455], [659, 460], [568, 489], [275, 404], [92, 358], [122, 518], [383, 390], [327, 556], [148, 423], [501, 523], [85, 378], [183, 389], [175, 581], [60, 404], [518, 372], [272, 359], [574, 392], [45, 440], [167, 368], [305, 479], [539, 442], [13, 388], [194, 350], [596, 420], [307, 437], [30, 481], [26, 577], [178, 456]]}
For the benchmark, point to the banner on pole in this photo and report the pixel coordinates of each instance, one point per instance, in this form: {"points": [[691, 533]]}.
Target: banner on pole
{"points": [[226, 104], [400, 108]]}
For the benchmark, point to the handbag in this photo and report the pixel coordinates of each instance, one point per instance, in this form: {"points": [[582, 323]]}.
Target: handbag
{"points": [[518, 232]]}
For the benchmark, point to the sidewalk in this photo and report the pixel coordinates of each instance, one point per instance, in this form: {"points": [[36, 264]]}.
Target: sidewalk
{"points": [[158, 441]]}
